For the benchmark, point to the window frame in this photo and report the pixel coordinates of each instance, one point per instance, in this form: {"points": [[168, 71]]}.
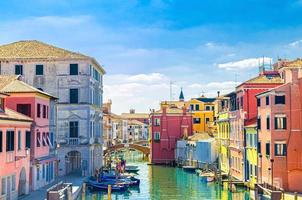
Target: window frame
{"points": [[71, 94], [73, 69], [39, 70], [19, 68]]}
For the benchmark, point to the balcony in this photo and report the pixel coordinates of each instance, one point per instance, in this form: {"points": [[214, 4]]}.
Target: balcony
{"points": [[73, 141]]}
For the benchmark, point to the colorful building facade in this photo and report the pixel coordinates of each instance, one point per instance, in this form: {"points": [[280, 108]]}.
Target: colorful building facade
{"points": [[15, 133], [77, 80], [35, 104], [246, 114], [203, 111], [251, 143], [223, 124], [280, 125], [169, 124]]}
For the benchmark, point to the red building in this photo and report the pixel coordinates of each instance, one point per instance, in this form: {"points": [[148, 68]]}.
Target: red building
{"points": [[246, 114], [280, 131], [169, 124]]}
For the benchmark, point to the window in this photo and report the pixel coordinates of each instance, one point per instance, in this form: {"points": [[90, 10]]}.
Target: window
{"points": [[280, 122], [43, 171], [73, 69], [19, 69], [280, 149], [267, 100], [10, 140], [197, 107], [259, 123], [268, 123], [157, 136], [207, 120], [259, 147], [44, 111], [268, 149], [38, 174], [25, 109], [258, 102], [1, 140], [74, 129], [39, 70], [241, 102], [196, 120], [208, 108], [280, 99], [157, 122], [191, 107], [44, 139], [19, 140], [39, 110], [3, 186], [27, 139], [38, 139], [47, 112], [13, 182], [73, 95]]}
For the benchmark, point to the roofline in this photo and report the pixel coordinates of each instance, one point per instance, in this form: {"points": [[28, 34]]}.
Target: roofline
{"points": [[93, 60]]}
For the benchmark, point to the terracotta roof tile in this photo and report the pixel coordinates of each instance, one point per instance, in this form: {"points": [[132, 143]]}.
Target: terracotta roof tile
{"points": [[11, 84], [33, 49]]}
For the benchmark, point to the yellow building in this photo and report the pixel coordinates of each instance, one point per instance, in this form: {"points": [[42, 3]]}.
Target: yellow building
{"points": [[251, 155], [223, 124], [203, 110]]}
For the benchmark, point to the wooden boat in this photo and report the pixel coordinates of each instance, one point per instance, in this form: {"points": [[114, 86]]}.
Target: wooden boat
{"points": [[189, 168], [104, 186], [131, 169]]}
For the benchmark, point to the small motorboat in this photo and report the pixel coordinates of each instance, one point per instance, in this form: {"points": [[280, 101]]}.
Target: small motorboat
{"points": [[104, 186], [189, 168], [131, 169], [131, 181]]}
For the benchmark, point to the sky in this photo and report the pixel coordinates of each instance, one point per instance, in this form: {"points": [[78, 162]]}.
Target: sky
{"points": [[148, 46]]}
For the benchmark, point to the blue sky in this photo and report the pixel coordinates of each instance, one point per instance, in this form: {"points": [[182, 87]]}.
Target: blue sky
{"points": [[200, 45]]}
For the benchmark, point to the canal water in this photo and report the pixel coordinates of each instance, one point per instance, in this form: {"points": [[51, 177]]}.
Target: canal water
{"points": [[169, 183]]}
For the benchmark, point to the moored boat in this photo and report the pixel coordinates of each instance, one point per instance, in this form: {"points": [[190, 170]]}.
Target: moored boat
{"points": [[189, 168]]}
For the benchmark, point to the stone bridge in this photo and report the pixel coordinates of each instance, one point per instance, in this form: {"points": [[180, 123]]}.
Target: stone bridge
{"points": [[139, 146]]}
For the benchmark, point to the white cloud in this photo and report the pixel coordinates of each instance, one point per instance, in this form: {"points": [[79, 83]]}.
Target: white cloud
{"points": [[245, 64], [295, 43]]}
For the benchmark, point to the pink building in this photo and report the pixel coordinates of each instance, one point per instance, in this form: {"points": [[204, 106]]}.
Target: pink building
{"points": [[33, 103], [14, 153], [246, 114], [280, 131], [169, 124]]}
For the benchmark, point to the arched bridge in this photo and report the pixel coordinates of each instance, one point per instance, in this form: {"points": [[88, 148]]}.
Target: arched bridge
{"points": [[144, 149]]}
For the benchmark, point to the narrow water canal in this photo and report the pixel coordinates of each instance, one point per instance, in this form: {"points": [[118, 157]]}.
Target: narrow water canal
{"points": [[168, 183]]}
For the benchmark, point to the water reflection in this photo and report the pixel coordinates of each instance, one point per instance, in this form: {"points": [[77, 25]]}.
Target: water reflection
{"points": [[167, 183]]}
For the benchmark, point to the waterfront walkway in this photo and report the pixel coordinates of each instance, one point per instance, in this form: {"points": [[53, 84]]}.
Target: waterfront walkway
{"points": [[40, 194]]}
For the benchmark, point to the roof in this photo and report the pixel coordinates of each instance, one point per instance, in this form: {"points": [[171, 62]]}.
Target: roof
{"points": [[287, 63], [205, 99], [135, 115], [12, 84], [199, 136], [13, 115], [181, 96], [171, 110], [135, 122], [264, 79], [33, 49]]}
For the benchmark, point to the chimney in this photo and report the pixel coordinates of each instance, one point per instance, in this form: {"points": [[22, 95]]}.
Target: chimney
{"points": [[218, 93], [132, 111]]}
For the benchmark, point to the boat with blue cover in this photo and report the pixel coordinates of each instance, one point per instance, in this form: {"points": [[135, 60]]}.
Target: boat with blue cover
{"points": [[95, 185]]}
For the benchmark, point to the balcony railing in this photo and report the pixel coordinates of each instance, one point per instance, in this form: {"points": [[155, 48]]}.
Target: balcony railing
{"points": [[73, 141]]}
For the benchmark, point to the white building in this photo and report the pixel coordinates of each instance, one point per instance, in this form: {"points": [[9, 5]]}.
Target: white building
{"points": [[77, 80]]}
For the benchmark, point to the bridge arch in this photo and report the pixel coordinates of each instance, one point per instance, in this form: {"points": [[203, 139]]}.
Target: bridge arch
{"points": [[144, 149]]}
